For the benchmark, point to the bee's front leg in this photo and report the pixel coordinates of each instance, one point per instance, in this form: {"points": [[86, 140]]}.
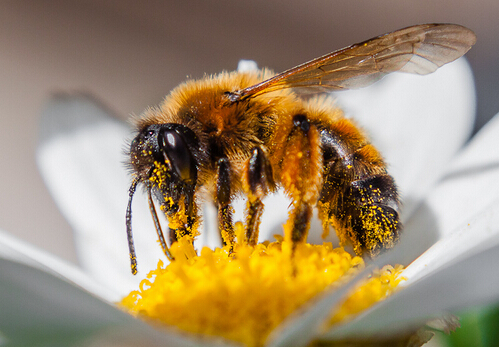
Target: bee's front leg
{"points": [[182, 215], [223, 198]]}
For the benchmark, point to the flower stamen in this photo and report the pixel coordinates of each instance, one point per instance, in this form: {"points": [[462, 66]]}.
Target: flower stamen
{"points": [[243, 295]]}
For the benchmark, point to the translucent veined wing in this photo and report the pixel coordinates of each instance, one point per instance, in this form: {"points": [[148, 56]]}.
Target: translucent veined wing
{"points": [[419, 49]]}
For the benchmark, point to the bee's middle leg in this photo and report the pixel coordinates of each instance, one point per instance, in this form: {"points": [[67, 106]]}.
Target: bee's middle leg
{"points": [[258, 182]]}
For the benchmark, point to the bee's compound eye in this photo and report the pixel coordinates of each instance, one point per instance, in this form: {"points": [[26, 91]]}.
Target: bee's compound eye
{"points": [[175, 149]]}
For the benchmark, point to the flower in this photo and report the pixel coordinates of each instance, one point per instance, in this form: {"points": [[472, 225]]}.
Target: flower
{"points": [[450, 226], [244, 295]]}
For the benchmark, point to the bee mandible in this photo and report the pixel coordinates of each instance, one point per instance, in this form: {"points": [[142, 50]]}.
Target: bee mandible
{"points": [[250, 133]]}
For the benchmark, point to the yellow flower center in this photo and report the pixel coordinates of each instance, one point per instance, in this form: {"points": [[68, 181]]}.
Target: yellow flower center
{"points": [[243, 295]]}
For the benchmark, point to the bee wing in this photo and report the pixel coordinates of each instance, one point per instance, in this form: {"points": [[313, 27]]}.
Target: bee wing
{"points": [[419, 49]]}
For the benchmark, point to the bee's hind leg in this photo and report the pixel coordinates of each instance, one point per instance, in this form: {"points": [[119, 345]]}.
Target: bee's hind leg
{"points": [[301, 175]]}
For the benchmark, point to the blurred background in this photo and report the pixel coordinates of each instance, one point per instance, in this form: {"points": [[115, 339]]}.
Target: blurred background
{"points": [[130, 54]]}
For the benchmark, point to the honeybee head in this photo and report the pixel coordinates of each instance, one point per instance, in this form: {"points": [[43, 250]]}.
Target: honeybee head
{"points": [[162, 157]]}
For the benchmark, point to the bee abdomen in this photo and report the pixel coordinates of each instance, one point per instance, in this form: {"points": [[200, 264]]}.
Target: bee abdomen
{"points": [[364, 211], [375, 219], [358, 198]]}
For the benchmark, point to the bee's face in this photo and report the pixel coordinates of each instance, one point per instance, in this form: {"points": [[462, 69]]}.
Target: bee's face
{"points": [[162, 154]]}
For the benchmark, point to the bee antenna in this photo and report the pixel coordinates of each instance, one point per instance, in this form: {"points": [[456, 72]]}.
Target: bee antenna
{"points": [[131, 247]]}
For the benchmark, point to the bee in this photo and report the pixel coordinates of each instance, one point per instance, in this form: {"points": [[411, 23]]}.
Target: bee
{"points": [[250, 133]]}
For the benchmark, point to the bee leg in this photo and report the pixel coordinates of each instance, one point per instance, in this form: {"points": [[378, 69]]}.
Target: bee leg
{"points": [[223, 195], [258, 181], [301, 175], [183, 215], [157, 225], [172, 235], [170, 211], [191, 212]]}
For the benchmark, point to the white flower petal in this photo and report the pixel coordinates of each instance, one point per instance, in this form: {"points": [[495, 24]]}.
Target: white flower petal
{"points": [[81, 160], [469, 186], [471, 182], [473, 280], [41, 306], [38, 307], [15, 250], [417, 122], [247, 65], [477, 234]]}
